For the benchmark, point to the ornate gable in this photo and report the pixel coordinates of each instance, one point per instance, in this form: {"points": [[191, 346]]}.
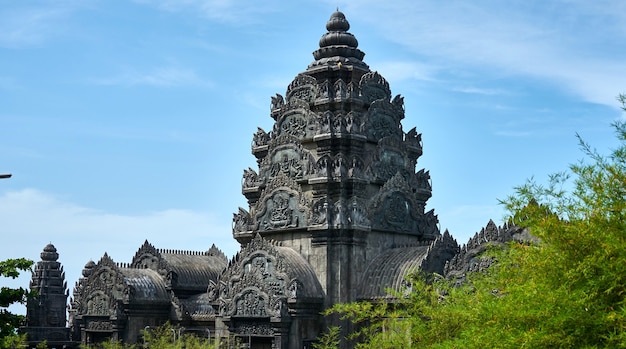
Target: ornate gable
{"points": [[302, 88], [397, 208], [255, 284], [148, 257], [265, 280], [102, 289], [374, 87]]}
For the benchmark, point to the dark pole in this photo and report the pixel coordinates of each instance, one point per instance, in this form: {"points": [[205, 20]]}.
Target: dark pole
{"points": [[5, 175]]}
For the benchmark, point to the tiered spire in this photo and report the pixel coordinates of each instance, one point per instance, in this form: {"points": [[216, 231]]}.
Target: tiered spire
{"points": [[338, 46], [46, 316]]}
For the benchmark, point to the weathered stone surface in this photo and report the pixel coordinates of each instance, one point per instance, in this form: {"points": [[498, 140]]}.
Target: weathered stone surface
{"points": [[45, 312]]}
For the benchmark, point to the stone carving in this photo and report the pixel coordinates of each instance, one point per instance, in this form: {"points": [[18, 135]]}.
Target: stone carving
{"points": [[255, 282], [353, 122], [340, 167], [383, 120], [241, 221], [325, 122], [323, 91], [341, 90], [324, 166], [250, 304], [397, 212], [250, 179], [303, 88], [277, 102], [319, 213], [260, 138], [358, 213], [338, 123], [100, 326], [297, 120], [46, 308], [280, 212], [281, 205], [340, 218], [98, 304], [254, 328], [295, 125], [387, 163], [440, 251], [374, 87], [286, 158], [149, 257], [428, 225], [294, 288], [413, 139], [398, 102], [396, 208]]}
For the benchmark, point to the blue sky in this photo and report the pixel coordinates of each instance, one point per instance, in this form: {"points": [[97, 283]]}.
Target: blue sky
{"points": [[123, 121]]}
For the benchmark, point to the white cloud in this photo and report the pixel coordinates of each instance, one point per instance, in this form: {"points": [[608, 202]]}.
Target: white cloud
{"points": [[24, 25], [479, 90], [159, 77], [573, 45], [31, 219], [228, 11]]}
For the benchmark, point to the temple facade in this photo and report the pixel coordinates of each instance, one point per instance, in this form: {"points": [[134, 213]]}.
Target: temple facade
{"points": [[337, 212]]}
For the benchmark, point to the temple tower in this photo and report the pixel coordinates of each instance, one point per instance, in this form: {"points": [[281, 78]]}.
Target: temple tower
{"points": [[46, 312], [337, 184], [336, 179]]}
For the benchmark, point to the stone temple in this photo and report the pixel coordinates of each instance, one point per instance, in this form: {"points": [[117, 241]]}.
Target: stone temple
{"points": [[337, 213]]}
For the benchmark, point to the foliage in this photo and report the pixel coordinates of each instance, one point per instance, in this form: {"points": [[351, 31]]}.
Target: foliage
{"points": [[330, 339], [8, 321], [566, 291]]}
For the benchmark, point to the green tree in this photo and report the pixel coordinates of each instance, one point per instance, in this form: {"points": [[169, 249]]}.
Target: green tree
{"points": [[565, 291], [9, 322]]}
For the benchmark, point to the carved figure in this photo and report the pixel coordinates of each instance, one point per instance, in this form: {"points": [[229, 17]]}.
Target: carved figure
{"points": [[277, 102]]}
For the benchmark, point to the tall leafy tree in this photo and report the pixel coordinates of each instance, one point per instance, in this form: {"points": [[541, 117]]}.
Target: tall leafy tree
{"points": [[9, 322], [568, 290]]}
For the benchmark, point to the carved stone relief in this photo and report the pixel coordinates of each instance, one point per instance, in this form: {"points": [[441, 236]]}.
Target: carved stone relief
{"points": [[319, 212], [250, 304], [277, 102], [374, 87], [281, 212], [254, 328], [98, 303], [340, 166], [241, 221], [383, 120], [100, 326], [260, 138], [250, 179], [255, 284], [354, 122], [303, 87], [413, 139], [281, 205], [294, 124], [324, 166], [341, 90]]}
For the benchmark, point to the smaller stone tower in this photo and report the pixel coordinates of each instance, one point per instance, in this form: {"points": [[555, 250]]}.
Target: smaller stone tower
{"points": [[46, 312]]}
